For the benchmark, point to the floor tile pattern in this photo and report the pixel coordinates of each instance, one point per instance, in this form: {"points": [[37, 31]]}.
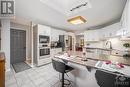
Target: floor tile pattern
{"points": [[44, 76]]}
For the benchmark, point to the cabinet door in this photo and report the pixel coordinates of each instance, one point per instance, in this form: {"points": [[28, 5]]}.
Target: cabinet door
{"points": [[52, 53], [58, 50], [43, 30], [96, 35], [87, 36], [2, 74]]}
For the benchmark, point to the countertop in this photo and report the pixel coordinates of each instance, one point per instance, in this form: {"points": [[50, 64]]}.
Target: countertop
{"points": [[104, 57], [101, 48], [2, 56], [92, 59], [55, 47], [78, 60]]}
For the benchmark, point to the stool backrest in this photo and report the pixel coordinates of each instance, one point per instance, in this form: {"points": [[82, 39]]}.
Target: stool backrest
{"points": [[58, 66], [107, 79]]}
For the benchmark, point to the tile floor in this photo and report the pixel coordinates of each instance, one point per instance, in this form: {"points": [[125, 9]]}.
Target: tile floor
{"points": [[44, 76]]}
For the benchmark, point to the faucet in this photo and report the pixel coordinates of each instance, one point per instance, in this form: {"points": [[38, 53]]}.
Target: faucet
{"points": [[109, 42]]}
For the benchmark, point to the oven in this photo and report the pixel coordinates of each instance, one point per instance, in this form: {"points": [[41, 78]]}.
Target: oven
{"points": [[44, 52]]}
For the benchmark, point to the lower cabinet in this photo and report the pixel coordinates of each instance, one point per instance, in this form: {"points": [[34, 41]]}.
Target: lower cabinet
{"points": [[44, 61], [55, 51]]}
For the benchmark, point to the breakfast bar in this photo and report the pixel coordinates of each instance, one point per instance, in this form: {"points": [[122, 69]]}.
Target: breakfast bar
{"points": [[86, 66], [92, 58]]}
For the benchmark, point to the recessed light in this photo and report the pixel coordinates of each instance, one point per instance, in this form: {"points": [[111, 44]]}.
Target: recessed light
{"points": [[77, 20]]}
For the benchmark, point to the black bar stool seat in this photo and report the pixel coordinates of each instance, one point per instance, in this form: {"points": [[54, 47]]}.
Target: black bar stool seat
{"points": [[107, 79], [62, 68]]}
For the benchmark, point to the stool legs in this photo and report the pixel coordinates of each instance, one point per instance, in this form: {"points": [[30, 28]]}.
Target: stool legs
{"points": [[62, 79]]}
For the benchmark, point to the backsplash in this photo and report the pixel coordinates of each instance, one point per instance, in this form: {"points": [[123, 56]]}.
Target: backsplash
{"points": [[95, 44], [116, 44]]}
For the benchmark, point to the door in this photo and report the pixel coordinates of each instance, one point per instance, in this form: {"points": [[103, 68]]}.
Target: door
{"points": [[18, 46], [70, 42], [62, 42]]}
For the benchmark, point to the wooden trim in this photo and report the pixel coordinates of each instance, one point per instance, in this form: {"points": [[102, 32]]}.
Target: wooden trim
{"points": [[2, 70]]}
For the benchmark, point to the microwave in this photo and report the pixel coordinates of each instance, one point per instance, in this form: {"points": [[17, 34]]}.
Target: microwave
{"points": [[44, 39]]}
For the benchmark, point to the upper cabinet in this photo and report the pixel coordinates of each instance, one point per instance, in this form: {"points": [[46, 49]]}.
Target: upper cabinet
{"points": [[44, 30], [121, 28], [101, 34], [110, 31], [55, 34]]}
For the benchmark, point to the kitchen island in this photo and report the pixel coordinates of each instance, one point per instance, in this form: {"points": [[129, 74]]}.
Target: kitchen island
{"points": [[92, 58], [84, 73]]}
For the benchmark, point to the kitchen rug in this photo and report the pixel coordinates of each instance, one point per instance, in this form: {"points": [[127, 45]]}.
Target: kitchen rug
{"points": [[18, 67]]}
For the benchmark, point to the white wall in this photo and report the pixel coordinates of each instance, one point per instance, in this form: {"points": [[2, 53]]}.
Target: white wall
{"points": [[94, 44], [5, 41], [28, 36]]}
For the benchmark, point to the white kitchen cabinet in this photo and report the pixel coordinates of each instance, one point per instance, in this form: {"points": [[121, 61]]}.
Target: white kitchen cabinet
{"points": [[55, 34], [44, 61], [55, 51], [43, 30], [58, 50], [110, 31], [103, 33], [122, 32]]}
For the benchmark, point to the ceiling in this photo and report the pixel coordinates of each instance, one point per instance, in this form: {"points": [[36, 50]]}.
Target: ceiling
{"points": [[55, 13], [65, 6]]}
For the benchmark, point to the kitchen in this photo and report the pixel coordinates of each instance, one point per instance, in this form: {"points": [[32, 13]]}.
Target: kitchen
{"points": [[90, 39]]}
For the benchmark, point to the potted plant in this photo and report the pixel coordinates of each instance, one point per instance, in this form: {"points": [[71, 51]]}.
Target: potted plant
{"points": [[127, 46]]}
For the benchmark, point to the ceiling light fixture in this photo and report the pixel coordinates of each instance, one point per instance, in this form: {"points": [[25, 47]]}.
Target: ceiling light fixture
{"points": [[77, 20], [79, 6]]}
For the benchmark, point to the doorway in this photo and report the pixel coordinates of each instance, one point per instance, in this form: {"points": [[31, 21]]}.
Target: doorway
{"points": [[18, 46], [79, 42], [70, 42]]}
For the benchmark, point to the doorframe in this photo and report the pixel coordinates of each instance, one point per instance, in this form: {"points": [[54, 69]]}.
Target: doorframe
{"points": [[26, 38]]}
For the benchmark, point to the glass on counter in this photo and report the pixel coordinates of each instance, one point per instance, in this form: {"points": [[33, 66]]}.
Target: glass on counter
{"points": [[84, 58]]}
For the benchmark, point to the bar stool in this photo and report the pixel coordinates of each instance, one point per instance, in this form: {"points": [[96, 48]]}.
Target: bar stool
{"points": [[109, 79], [62, 68]]}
